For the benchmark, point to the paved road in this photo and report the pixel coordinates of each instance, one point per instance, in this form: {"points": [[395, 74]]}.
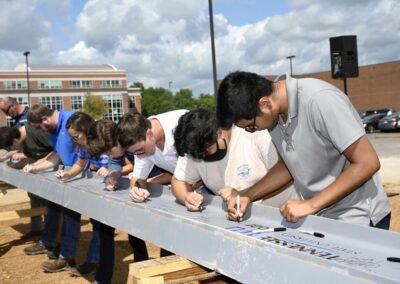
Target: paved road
{"points": [[387, 145]]}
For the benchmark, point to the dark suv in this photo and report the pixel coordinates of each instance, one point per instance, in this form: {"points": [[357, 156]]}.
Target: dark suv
{"points": [[386, 111], [370, 122]]}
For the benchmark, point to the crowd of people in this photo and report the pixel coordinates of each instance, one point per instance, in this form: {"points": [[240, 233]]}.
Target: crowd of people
{"points": [[295, 144]]}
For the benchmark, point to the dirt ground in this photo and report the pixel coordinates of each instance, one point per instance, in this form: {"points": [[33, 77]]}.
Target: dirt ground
{"points": [[16, 267]]}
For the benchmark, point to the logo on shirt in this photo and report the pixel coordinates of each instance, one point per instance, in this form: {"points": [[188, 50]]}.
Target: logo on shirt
{"points": [[243, 171]]}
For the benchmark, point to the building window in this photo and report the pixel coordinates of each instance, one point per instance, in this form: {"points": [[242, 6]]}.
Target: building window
{"points": [[15, 84], [50, 84], [131, 104], [87, 84], [75, 84], [55, 102], [77, 102], [80, 84], [110, 83], [114, 107]]}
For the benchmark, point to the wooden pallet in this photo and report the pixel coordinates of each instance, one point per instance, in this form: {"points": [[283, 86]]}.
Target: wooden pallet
{"points": [[23, 213], [171, 270]]}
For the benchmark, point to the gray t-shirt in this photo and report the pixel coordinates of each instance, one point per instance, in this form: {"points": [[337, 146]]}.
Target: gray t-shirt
{"points": [[321, 124]]}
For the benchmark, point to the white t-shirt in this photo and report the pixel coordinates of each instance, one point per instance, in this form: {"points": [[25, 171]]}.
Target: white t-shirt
{"points": [[167, 158], [249, 157]]}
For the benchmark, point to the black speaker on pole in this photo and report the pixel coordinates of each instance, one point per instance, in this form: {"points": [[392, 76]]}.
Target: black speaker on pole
{"points": [[344, 59]]}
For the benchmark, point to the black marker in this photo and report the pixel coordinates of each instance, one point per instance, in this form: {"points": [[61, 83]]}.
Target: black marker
{"points": [[280, 229], [315, 234], [393, 259]]}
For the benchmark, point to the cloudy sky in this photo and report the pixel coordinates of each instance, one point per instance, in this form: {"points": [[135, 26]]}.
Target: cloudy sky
{"points": [[157, 41]]}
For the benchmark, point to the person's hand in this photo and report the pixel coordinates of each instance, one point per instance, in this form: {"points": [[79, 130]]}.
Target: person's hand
{"points": [[293, 210], [63, 175], [102, 172], [29, 168], [226, 193], [111, 180], [193, 201], [18, 156], [233, 214], [138, 194]]}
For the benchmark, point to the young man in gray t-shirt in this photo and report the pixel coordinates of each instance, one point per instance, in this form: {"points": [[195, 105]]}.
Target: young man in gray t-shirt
{"points": [[322, 147]]}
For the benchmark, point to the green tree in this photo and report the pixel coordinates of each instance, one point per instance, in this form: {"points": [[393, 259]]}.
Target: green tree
{"points": [[138, 85], [206, 101], [94, 106], [183, 99], [156, 100]]}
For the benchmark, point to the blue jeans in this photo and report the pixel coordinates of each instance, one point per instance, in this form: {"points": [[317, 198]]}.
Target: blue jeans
{"points": [[382, 224], [52, 222], [70, 232]]}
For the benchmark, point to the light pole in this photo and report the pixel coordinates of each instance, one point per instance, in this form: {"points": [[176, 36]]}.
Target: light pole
{"points": [[213, 46], [169, 85], [26, 53], [290, 57]]}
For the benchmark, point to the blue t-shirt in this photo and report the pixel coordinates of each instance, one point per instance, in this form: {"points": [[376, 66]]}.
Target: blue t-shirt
{"points": [[97, 162], [62, 142], [22, 119]]}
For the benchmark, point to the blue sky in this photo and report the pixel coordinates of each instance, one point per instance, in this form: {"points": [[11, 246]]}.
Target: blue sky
{"points": [[157, 41]]}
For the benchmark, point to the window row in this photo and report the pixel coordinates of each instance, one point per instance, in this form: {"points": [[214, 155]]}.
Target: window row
{"points": [[57, 84]]}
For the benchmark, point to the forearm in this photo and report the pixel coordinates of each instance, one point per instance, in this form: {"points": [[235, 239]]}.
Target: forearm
{"points": [[50, 161], [180, 189], [77, 168], [7, 155], [277, 178], [142, 183]]}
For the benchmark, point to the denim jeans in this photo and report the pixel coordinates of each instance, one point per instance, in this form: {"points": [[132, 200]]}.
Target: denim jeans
{"points": [[70, 232], [37, 222], [52, 222], [93, 253]]}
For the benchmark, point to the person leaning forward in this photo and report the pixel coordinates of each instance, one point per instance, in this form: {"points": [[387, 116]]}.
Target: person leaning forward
{"points": [[321, 142]]}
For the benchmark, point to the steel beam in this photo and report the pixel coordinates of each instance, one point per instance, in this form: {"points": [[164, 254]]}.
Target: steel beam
{"points": [[347, 254]]}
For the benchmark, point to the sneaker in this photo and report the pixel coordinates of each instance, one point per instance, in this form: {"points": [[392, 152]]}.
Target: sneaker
{"points": [[38, 248], [87, 268], [60, 264]]}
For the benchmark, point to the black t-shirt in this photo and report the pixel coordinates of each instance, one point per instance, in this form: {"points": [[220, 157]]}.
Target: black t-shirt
{"points": [[37, 143]]}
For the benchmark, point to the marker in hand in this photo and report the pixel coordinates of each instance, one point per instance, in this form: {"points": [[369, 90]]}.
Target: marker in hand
{"points": [[141, 191], [200, 207], [238, 207]]}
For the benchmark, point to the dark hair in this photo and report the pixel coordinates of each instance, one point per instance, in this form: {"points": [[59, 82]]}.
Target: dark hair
{"points": [[195, 132], [132, 128], [101, 137], [36, 113], [7, 134], [80, 121], [238, 96]]}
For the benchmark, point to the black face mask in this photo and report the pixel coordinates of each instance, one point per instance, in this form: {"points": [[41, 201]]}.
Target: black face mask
{"points": [[218, 155]]}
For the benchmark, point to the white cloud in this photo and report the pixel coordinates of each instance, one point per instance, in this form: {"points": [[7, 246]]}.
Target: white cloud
{"points": [[158, 41]]}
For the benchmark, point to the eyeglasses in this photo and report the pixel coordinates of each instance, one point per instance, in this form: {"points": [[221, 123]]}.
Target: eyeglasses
{"points": [[252, 128], [77, 137]]}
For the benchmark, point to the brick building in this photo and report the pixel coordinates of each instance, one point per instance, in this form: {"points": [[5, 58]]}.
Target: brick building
{"points": [[65, 86], [378, 86]]}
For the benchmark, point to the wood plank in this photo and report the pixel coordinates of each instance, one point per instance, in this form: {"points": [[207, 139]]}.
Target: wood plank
{"points": [[11, 215], [160, 266]]}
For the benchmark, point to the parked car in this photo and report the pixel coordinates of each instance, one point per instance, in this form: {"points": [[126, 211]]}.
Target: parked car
{"points": [[370, 122], [386, 111], [390, 122]]}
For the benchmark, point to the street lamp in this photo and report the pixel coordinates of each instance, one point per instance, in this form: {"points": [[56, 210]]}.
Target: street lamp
{"points": [[26, 53], [169, 85], [290, 57], [214, 63]]}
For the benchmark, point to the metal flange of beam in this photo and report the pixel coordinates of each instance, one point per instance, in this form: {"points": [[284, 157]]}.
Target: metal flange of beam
{"points": [[346, 254]]}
